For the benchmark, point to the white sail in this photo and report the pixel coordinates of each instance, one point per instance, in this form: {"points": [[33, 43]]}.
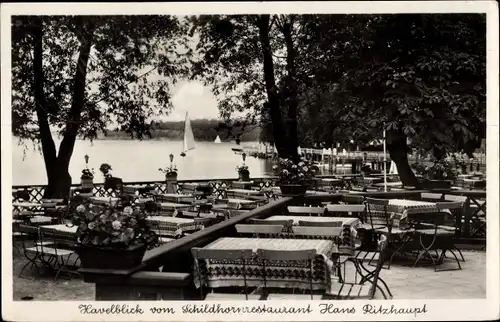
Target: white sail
{"points": [[188, 135], [217, 139]]}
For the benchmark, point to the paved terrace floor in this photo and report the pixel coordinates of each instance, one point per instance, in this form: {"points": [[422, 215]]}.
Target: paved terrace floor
{"points": [[404, 281]]}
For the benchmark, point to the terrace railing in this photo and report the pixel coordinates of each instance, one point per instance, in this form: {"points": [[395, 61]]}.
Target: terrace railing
{"points": [[219, 186]]}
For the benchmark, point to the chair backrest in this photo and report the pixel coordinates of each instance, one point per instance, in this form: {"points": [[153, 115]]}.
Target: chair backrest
{"points": [[431, 196], [222, 254], [455, 198], [259, 229], [320, 223], [307, 255], [352, 199], [242, 255], [315, 231], [296, 210], [449, 205], [286, 223], [377, 212], [346, 209]]}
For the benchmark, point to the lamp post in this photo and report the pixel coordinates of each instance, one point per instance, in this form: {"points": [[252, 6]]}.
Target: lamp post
{"points": [[244, 156], [86, 161]]}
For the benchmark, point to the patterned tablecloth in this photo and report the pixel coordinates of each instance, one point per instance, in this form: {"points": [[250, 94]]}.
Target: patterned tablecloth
{"points": [[173, 226], [278, 273], [403, 208]]}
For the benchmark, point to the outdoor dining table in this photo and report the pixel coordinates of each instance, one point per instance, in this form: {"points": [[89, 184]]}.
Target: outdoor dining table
{"points": [[236, 203], [174, 206], [244, 192], [402, 210], [175, 197], [174, 226], [242, 184], [278, 273], [105, 200]]}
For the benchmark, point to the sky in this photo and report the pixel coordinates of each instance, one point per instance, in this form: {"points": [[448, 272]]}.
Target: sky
{"points": [[192, 97]]}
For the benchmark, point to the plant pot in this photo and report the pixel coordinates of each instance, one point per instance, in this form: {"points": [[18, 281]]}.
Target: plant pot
{"points": [[172, 176], [87, 183], [111, 258], [244, 175], [293, 189]]}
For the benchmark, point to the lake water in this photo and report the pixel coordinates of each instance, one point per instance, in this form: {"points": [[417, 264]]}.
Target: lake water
{"points": [[139, 161]]}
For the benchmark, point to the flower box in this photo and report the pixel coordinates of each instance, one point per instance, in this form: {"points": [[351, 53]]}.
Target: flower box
{"points": [[111, 258]]}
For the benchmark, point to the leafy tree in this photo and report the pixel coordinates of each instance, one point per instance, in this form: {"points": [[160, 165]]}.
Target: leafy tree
{"points": [[77, 74], [239, 55], [420, 77]]}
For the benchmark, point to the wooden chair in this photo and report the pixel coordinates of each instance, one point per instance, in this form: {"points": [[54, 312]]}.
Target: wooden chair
{"points": [[349, 210], [369, 283], [307, 256], [320, 223], [259, 230], [295, 210], [243, 256]]}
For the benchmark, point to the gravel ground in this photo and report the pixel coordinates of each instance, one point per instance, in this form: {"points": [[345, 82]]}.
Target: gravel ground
{"points": [[404, 281]]}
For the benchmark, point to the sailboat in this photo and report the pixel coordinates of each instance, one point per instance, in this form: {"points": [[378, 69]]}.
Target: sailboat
{"points": [[188, 143], [217, 139]]}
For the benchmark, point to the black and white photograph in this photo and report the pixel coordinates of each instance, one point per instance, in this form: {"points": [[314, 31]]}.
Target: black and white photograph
{"points": [[211, 154]]}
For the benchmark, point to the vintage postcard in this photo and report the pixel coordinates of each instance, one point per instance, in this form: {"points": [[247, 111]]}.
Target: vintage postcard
{"points": [[258, 161]]}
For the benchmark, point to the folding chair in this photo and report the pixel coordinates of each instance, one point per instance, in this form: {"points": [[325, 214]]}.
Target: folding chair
{"points": [[58, 247], [369, 283], [238, 256], [31, 253], [268, 256]]}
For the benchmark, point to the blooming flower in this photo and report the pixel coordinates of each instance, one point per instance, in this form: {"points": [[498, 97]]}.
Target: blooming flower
{"points": [[92, 225], [294, 166], [301, 164], [80, 209], [116, 225], [90, 206], [128, 211], [275, 167], [305, 169]]}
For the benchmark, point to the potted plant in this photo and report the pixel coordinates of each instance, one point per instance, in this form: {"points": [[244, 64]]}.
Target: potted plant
{"points": [[170, 171], [294, 178], [110, 237], [243, 173], [438, 176], [87, 178]]}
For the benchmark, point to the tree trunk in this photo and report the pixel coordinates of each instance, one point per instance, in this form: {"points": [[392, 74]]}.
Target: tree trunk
{"points": [[291, 92], [273, 103], [46, 140], [398, 150], [60, 179]]}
